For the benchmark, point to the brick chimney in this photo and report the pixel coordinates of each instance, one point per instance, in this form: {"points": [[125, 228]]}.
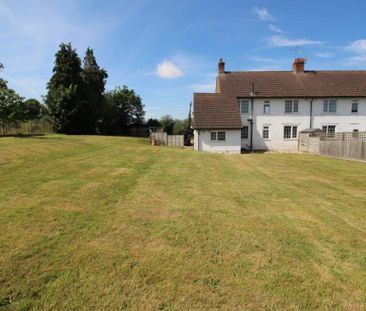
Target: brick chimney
{"points": [[221, 66], [299, 65]]}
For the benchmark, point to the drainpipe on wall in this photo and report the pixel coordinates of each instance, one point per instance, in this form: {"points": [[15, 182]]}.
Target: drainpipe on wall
{"points": [[311, 113], [252, 94]]}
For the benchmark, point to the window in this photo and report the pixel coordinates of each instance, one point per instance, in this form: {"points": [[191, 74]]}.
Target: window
{"points": [[213, 135], [291, 106], [244, 106], [329, 129], [330, 105], [266, 108], [290, 132], [354, 107], [265, 132], [221, 135], [245, 132]]}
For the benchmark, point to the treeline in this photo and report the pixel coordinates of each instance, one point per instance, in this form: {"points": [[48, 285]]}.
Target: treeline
{"points": [[171, 126], [14, 109], [76, 100]]}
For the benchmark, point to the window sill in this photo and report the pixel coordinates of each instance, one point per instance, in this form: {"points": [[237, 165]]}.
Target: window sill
{"points": [[290, 139]]}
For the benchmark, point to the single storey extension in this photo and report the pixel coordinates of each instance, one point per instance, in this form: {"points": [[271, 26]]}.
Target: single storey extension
{"points": [[265, 110]]}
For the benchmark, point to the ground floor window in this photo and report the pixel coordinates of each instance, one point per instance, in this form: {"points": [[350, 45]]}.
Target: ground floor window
{"points": [[265, 132], [245, 132], [290, 132], [221, 135], [213, 135], [329, 129]]}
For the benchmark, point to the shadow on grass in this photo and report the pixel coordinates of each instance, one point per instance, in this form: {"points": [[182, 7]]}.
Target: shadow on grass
{"points": [[38, 136]]}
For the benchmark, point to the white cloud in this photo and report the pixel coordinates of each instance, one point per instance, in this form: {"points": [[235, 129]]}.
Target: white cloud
{"points": [[168, 70], [263, 14], [275, 29], [356, 60], [282, 41], [358, 46], [324, 54]]}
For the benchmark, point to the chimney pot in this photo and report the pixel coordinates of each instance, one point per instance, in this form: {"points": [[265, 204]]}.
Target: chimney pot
{"points": [[299, 65], [221, 66]]}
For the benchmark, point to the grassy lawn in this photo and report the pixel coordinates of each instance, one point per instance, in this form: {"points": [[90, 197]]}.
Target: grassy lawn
{"points": [[110, 223]]}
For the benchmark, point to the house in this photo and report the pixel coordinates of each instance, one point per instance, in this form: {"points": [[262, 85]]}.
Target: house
{"points": [[265, 110]]}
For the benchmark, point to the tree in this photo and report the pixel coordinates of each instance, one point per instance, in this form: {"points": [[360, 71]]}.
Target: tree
{"points": [[94, 80], [64, 97], [32, 109], [10, 106], [153, 123], [167, 122], [181, 127], [123, 108]]}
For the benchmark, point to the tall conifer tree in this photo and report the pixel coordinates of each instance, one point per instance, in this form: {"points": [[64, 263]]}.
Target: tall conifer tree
{"points": [[65, 89], [94, 79]]}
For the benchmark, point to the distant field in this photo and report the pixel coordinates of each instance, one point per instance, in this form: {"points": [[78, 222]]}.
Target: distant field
{"points": [[110, 223]]}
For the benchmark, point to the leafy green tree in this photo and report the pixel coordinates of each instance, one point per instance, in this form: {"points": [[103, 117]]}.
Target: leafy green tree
{"points": [[153, 123], [32, 109], [10, 106], [181, 127], [64, 97], [94, 79], [123, 108], [167, 122]]}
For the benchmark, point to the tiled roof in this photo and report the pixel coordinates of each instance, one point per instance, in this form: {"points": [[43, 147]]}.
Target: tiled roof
{"points": [[215, 111], [221, 110], [290, 84]]}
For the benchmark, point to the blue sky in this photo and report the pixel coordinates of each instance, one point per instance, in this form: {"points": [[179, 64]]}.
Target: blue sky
{"points": [[166, 50]]}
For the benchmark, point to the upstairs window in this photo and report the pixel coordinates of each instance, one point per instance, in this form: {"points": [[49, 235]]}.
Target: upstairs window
{"points": [[330, 105], [291, 106], [221, 135], [266, 109], [245, 132], [290, 132], [213, 135], [265, 132], [244, 106], [354, 107]]}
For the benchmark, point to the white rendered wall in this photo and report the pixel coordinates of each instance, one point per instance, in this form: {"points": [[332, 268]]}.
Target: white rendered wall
{"points": [[277, 119], [203, 142]]}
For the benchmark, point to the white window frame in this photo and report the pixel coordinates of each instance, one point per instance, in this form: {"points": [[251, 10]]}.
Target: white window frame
{"points": [[268, 111], [246, 136], [326, 127], [327, 105], [215, 136], [292, 103], [293, 132], [267, 129], [222, 134], [244, 103], [354, 105]]}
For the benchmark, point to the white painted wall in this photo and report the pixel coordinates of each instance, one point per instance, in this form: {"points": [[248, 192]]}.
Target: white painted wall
{"points": [[277, 119], [203, 142]]}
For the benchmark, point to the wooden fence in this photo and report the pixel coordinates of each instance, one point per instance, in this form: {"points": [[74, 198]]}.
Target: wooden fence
{"points": [[343, 149], [346, 145], [162, 138]]}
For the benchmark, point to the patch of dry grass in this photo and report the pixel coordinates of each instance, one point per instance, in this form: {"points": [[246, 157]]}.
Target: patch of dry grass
{"points": [[110, 223]]}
